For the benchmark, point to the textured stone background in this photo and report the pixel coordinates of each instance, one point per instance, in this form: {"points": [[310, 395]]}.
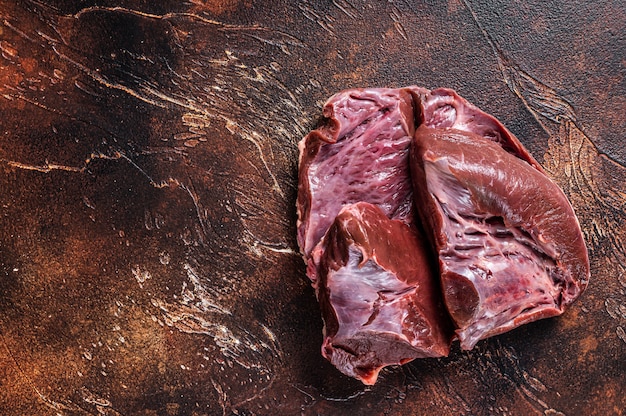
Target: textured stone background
{"points": [[148, 159]]}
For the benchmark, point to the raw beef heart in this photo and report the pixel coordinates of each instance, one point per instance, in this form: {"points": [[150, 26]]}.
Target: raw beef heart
{"points": [[510, 247], [379, 297]]}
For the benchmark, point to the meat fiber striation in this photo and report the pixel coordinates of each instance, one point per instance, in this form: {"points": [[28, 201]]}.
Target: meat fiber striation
{"points": [[423, 219]]}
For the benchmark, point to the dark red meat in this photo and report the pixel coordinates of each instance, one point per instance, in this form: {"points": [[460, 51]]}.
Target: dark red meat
{"points": [[510, 247], [359, 154], [361, 151], [373, 281], [379, 295], [444, 108]]}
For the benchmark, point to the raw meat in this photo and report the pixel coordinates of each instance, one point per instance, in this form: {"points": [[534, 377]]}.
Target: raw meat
{"points": [[379, 295], [359, 154], [444, 108], [510, 247], [379, 301]]}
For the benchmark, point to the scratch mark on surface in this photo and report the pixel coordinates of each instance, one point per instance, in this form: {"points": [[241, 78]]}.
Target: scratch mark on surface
{"points": [[139, 168], [46, 168], [256, 245], [189, 319], [540, 99], [347, 398], [140, 275], [219, 98], [396, 17], [314, 396], [286, 250], [49, 167], [16, 30], [194, 197], [200, 294], [301, 390], [520, 378], [91, 398], [8, 51], [324, 21], [289, 39], [152, 96], [265, 35], [280, 43], [347, 8], [221, 395], [199, 310]]}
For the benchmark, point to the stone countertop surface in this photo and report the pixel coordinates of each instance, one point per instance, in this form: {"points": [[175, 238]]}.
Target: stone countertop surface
{"points": [[148, 175]]}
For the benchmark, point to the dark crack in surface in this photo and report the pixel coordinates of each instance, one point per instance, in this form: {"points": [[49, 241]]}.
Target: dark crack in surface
{"points": [[148, 159]]}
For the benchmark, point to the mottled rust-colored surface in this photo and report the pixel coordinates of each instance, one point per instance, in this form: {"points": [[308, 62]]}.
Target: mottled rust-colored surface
{"points": [[148, 165]]}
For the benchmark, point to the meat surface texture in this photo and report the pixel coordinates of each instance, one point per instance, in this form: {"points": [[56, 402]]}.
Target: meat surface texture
{"points": [[359, 154], [510, 247], [380, 300], [445, 109], [500, 244]]}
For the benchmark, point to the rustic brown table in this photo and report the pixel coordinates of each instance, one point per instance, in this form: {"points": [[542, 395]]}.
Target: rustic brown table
{"points": [[148, 158]]}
